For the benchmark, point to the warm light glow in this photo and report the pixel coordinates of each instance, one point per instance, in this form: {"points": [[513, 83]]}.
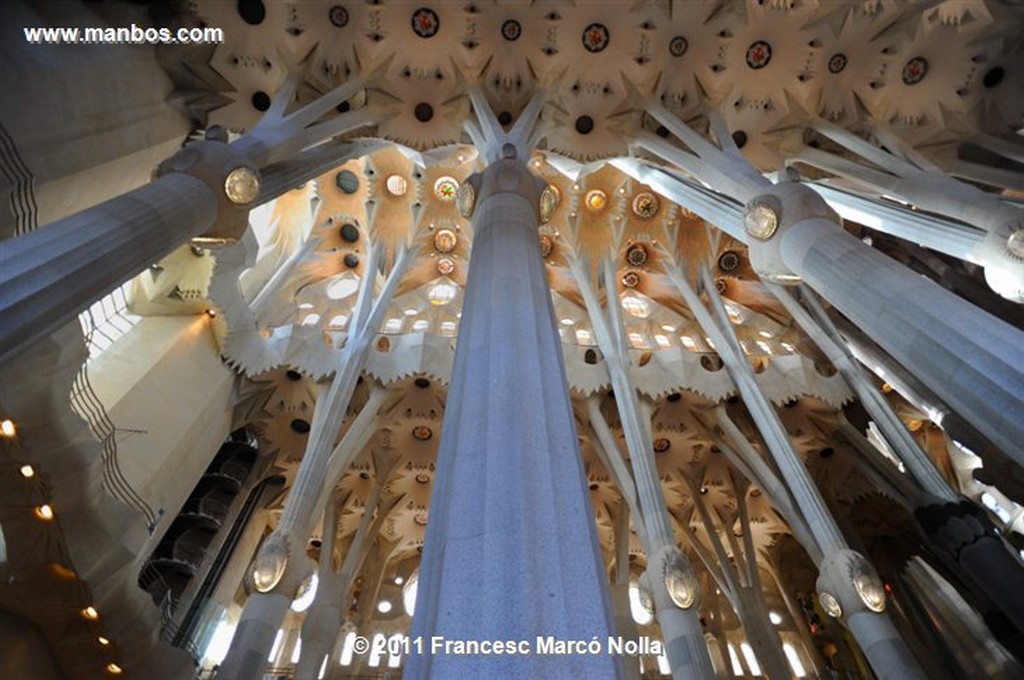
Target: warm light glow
{"points": [[399, 580], [663, 666], [7, 428], [90, 613], [44, 512], [377, 649], [775, 618], [737, 667], [220, 641], [409, 594], [641, 614], [27, 472], [748, 654], [276, 647], [384, 606], [113, 669], [396, 641], [306, 593], [636, 305], [794, 660], [441, 294], [103, 641], [347, 649], [568, 322], [340, 289], [396, 185]]}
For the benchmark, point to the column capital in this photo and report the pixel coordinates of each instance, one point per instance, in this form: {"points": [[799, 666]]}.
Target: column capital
{"points": [[232, 179], [848, 585], [768, 216], [508, 175]]}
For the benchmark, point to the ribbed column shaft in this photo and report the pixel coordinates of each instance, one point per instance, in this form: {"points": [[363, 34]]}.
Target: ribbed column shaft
{"points": [[970, 359], [511, 549]]}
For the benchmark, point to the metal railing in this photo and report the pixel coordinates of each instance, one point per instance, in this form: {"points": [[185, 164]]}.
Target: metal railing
{"points": [[206, 507]]}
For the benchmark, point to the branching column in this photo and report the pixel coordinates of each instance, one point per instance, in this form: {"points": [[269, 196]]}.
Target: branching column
{"points": [[685, 646], [847, 584], [204, 191], [279, 567], [511, 548]]}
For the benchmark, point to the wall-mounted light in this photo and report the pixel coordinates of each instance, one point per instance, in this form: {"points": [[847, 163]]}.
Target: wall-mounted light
{"points": [[762, 217], [242, 186]]}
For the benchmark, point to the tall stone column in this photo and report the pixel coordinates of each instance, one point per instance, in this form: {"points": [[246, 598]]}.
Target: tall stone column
{"points": [[848, 586], [511, 548], [969, 358]]}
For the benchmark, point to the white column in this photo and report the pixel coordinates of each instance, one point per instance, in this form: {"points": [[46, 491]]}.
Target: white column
{"points": [[511, 548], [969, 358], [883, 646], [282, 553], [685, 647]]}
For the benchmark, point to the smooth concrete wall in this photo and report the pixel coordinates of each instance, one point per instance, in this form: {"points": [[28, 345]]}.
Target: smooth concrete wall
{"points": [[24, 652], [165, 379], [88, 122]]}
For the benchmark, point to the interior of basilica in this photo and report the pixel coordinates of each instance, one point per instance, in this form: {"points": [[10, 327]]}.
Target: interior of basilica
{"points": [[512, 339]]}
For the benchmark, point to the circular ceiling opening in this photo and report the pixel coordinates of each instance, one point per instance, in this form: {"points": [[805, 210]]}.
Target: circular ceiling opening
{"points": [[347, 181], [260, 101], [993, 76], [584, 125], [424, 112], [252, 11]]}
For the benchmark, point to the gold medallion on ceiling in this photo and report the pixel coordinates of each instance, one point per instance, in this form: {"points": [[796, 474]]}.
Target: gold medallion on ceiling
{"points": [[446, 188], [645, 205], [465, 199], [636, 255], [445, 240], [596, 200], [630, 279], [445, 266], [549, 199]]}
